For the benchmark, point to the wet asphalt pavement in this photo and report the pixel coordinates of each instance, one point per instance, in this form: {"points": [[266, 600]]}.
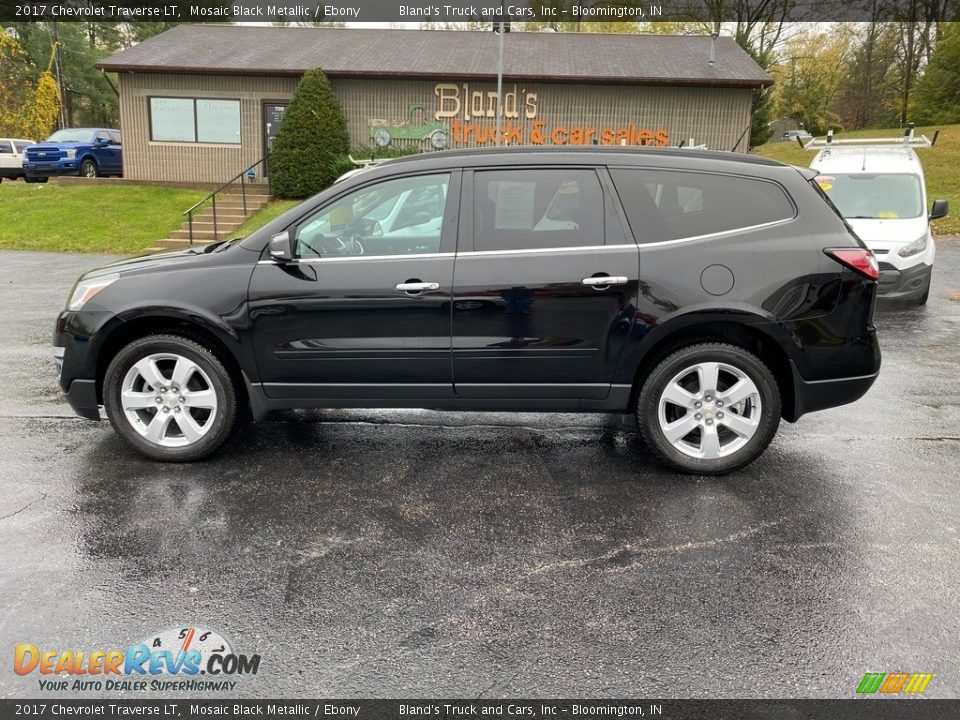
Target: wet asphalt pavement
{"points": [[416, 553]]}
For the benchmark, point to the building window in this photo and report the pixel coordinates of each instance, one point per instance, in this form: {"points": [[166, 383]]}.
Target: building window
{"points": [[204, 120]]}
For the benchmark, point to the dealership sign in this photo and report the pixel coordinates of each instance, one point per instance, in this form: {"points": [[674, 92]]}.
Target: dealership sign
{"points": [[464, 115]]}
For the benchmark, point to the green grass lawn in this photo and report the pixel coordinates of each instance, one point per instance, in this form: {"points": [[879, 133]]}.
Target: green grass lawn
{"points": [[941, 166], [271, 211], [123, 219]]}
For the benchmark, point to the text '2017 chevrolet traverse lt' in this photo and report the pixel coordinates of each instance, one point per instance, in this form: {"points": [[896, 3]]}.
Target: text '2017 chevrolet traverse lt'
{"points": [[712, 294]]}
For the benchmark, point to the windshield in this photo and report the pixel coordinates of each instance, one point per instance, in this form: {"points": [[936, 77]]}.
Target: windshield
{"points": [[873, 195], [78, 136]]}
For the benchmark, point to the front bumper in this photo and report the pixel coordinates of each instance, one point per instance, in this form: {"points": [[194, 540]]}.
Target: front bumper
{"points": [[908, 284], [64, 167], [82, 396]]}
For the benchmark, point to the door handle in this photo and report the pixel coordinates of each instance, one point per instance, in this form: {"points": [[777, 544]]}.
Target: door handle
{"points": [[416, 287], [605, 280]]}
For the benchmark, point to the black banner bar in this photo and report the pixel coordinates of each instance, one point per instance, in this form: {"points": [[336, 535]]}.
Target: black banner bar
{"points": [[537, 709], [445, 12]]}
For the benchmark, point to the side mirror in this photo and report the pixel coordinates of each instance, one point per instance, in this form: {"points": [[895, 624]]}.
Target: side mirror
{"points": [[101, 142], [281, 246], [940, 209]]}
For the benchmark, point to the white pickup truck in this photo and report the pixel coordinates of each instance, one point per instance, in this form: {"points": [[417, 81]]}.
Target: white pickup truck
{"points": [[11, 157]]}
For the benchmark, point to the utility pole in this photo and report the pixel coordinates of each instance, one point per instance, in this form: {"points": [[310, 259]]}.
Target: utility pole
{"points": [[500, 32], [58, 68]]}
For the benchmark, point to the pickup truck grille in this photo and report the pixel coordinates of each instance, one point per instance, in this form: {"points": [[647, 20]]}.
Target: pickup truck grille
{"points": [[44, 153]]}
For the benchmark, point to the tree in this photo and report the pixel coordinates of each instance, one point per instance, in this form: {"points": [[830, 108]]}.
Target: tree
{"points": [[41, 113], [311, 141], [809, 77], [870, 91], [937, 94], [15, 73]]}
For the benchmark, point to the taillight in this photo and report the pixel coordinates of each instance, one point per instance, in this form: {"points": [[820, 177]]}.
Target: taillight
{"points": [[860, 260]]}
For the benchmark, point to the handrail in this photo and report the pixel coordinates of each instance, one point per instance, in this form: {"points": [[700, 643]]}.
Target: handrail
{"points": [[241, 176]]}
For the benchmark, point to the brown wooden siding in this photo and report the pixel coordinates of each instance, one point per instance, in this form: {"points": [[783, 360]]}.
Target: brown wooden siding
{"points": [[715, 116]]}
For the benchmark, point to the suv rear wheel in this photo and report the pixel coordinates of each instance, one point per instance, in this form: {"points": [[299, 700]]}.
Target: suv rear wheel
{"points": [[708, 409], [170, 398]]}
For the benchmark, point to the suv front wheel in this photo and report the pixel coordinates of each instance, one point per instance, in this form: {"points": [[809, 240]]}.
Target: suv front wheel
{"points": [[170, 398], [709, 409]]}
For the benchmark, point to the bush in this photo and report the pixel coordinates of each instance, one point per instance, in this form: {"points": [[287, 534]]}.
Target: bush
{"points": [[311, 140]]}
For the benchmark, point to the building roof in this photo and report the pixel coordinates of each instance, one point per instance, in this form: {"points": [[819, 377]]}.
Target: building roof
{"points": [[366, 52]]}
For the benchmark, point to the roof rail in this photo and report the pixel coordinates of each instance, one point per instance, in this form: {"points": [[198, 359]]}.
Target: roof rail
{"points": [[907, 140]]}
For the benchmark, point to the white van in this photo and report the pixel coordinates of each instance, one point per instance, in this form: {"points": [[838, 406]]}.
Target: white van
{"points": [[11, 157], [879, 188]]}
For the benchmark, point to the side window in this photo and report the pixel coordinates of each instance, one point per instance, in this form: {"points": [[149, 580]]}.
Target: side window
{"points": [[6, 147], [396, 217], [101, 135], [671, 205], [534, 209]]}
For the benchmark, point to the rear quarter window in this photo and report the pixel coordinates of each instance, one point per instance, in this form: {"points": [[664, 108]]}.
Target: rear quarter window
{"points": [[672, 204]]}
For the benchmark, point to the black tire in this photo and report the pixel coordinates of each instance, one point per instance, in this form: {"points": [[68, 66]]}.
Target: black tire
{"points": [[88, 168], [648, 408], [219, 380]]}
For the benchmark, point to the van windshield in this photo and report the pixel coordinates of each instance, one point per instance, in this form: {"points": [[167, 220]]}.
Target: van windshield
{"points": [[883, 196]]}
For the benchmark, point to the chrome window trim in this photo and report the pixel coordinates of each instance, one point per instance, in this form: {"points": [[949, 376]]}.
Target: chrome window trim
{"points": [[357, 258], [722, 233], [532, 251]]}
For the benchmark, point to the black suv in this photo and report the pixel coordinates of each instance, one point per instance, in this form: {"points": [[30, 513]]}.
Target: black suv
{"points": [[710, 293]]}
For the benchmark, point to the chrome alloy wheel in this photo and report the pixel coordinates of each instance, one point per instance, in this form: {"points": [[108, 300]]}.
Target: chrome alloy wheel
{"points": [[169, 400], [709, 410]]}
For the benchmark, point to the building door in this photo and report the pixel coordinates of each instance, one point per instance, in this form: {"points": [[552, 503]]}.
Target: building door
{"points": [[272, 117]]}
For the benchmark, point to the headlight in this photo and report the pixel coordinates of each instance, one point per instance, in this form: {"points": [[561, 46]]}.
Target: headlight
{"points": [[918, 245], [71, 154], [84, 290]]}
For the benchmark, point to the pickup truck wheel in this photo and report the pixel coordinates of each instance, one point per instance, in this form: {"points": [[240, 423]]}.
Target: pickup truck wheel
{"points": [[170, 398], [709, 409], [88, 168]]}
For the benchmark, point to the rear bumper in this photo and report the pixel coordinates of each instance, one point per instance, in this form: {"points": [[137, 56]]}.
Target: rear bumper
{"points": [[812, 395]]}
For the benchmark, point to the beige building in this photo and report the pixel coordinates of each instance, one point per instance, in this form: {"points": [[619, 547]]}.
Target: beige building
{"points": [[201, 103]]}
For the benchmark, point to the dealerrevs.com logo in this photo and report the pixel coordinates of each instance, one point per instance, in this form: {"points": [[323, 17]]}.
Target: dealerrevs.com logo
{"points": [[196, 658]]}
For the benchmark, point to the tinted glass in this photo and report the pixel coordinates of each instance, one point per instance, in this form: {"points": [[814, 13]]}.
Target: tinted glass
{"points": [[6, 147], [669, 205], [535, 209], [876, 196], [397, 217]]}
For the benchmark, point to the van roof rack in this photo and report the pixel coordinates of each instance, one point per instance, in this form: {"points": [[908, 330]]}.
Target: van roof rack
{"points": [[908, 139]]}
